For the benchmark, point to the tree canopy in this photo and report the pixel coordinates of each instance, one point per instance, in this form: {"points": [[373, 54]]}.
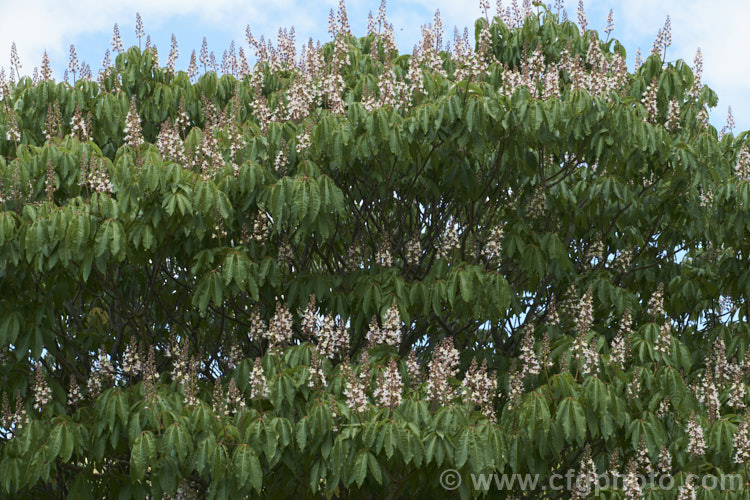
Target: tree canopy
{"points": [[341, 273]]}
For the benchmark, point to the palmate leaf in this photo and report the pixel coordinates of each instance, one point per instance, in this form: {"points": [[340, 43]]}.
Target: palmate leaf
{"points": [[246, 467], [359, 467], [570, 417], [470, 448], [78, 232], [536, 414], [142, 454]]}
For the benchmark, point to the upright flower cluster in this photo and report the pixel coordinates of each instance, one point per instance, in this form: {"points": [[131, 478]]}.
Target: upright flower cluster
{"points": [[443, 366], [234, 399], [102, 372], [695, 90], [449, 241], [13, 420], [390, 387], [742, 441], [133, 133], [649, 101], [310, 318], [383, 256], [413, 368], [664, 340], [642, 459], [354, 390], [42, 391], [181, 363], [174, 53], [479, 388], [170, 143], [585, 313], [117, 45], [620, 349], [584, 349], [742, 169], [280, 327], [656, 303], [190, 384], [95, 176], [218, 401], [737, 389], [74, 392], [587, 475], [413, 251], [317, 376], [665, 461], [515, 387], [687, 490], [13, 133], [333, 337], [707, 394], [493, 246], [673, 116], [390, 332], [15, 62], [234, 356], [80, 125], [696, 442], [529, 361], [131, 360], [258, 384], [631, 487], [469, 64]]}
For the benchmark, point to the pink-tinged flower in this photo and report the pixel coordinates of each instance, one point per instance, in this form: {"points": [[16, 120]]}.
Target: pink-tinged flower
{"points": [[630, 485], [280, 327], [354, 390], [664, 339], [133, 134], [665, 461], [390, 387], [41, 389], [529, 361], [443, 366], [258, 384], [696, 443], [742, 441], [74, 392], [620, 351], [742, 169], [649, 101], [673, 116], [479, 388], [116, 40]]}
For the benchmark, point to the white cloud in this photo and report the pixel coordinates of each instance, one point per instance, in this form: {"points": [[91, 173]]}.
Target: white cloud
{"points": [[718, 27]]}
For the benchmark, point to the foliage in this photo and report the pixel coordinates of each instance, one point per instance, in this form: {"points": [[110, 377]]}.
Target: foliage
{"points": [[342, 276]]}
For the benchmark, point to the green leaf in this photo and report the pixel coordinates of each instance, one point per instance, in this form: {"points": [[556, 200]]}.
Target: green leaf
{"points": [[204, 454], [571, 417], [359, 470], [246, 467], [142, 453], [389, 437], [78, 232], [374, 467], [302, 433]]}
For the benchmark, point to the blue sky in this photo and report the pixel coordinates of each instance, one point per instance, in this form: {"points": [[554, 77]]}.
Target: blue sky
{"points": [[718, 27]]}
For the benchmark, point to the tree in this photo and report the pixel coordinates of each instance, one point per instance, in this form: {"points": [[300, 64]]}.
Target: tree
{"points": [[345, 273]]}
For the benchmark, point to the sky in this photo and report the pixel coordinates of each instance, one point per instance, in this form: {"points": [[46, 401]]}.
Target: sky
{"points": [[718, 27]]}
